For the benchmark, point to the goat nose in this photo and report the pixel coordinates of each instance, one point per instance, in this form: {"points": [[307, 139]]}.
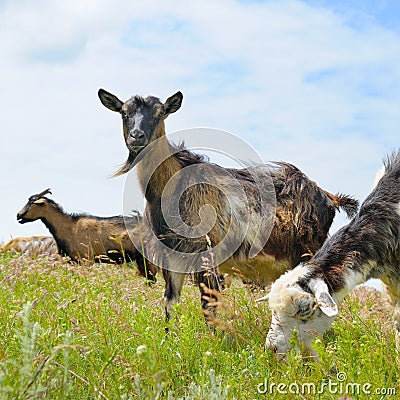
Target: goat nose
{"points": [[137, 134]]}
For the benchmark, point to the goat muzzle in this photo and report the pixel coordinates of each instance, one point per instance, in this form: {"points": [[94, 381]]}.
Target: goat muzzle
{"points": [[21, 219]]}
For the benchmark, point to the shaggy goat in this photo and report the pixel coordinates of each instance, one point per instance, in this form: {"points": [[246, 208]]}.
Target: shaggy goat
{"points": [[32, 246], [184, 193], [87, 237], [307, 297]]}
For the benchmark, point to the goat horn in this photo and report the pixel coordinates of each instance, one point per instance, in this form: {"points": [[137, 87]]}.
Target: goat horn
{"points": [[47, 191], [265, 298]]}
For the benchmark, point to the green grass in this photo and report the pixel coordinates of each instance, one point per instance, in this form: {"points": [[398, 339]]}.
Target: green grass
{"points": [[98, 332]]}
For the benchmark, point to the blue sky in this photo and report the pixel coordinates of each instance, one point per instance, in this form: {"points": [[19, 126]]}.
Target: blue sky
{"points": [[315, 83], [359, 12]]}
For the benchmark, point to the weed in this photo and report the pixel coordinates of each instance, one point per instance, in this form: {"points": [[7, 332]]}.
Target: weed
{"points": [[97, 332]]}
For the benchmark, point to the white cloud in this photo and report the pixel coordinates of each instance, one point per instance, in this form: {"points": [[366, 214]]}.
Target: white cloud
{"points": [[299, 82]]}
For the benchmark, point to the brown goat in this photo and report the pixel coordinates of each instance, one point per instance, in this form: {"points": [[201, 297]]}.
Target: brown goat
{"points": [[87, 237], [280, 224], [31, 246]]}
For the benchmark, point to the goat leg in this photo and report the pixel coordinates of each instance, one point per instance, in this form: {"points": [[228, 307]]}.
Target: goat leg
{"points": [[173, 288]]}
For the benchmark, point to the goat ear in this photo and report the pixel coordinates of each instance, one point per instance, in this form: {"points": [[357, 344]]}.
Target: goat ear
{"points": [[39, 202], [325, 301], [110, 101], [305, 306], [173, 103]]}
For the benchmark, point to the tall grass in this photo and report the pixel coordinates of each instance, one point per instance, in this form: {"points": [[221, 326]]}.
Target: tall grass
{"points": [[98, 332]]}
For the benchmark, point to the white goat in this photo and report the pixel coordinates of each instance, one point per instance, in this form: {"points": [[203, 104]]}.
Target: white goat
{"points": [[306, 298], [31, 246]]}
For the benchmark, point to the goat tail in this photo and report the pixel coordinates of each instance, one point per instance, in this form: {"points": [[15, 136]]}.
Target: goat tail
{"points": [[347, 203]]}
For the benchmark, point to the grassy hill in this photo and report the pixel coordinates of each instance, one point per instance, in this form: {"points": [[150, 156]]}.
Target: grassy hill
{"points": [[98, 332]]}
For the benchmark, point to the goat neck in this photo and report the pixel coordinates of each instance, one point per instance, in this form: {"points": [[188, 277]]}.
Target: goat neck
{"points": [[157, 167]]}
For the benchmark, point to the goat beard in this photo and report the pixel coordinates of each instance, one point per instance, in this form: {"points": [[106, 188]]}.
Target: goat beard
{"points": [[131, 161]]}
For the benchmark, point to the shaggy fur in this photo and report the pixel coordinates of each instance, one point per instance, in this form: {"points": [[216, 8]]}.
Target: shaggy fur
{"points": [[368, 247], [282, 224], [87, 237]]}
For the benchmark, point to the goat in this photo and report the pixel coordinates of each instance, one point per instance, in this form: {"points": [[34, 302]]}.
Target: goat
{"points": [[87, 237], [31, 246], [307, 297], [239, 210]]}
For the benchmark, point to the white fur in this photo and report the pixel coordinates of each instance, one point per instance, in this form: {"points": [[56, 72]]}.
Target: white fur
{"points": [[137, 121], [283, 322], [283, 286], [324, 299], [354, 278], [282, 298], [378, 176]]}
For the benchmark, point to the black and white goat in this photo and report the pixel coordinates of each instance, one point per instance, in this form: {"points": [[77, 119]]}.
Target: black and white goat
{"points": [[306, 298]]}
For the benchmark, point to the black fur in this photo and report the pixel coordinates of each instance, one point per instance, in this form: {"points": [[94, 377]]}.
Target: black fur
{"points": [[372, 236]]}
